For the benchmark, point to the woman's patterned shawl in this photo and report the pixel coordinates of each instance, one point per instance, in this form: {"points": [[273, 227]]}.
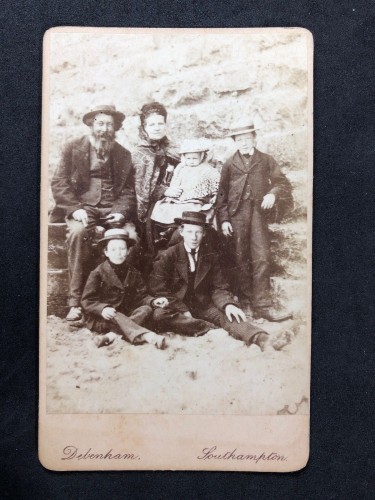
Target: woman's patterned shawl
{"points": [[150, 160]]}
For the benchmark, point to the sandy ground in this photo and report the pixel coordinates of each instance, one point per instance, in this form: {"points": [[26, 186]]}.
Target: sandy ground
{"points": [[206, 375]]}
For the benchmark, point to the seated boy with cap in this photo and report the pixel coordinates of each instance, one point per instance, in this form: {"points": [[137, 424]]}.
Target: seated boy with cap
{"points": [[115, 298]]}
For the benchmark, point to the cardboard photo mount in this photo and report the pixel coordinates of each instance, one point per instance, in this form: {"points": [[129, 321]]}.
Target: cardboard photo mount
{"points": [[96, 412]]}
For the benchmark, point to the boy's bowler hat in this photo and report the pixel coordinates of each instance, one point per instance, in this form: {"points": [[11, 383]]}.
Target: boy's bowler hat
{"points": [[241, 127], [116, 234], [108, 109], [195, 218]]}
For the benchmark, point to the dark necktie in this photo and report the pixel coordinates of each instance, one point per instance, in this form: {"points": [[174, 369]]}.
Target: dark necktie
{"points": [[193, 261]]}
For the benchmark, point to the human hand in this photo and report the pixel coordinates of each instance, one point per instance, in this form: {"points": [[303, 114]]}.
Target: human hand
{"points": [[160, 302], [236, 312], [81, 216], [227, 228], [188, 314], [173, 192], [109, 313], [268, 201], [114, 218]]}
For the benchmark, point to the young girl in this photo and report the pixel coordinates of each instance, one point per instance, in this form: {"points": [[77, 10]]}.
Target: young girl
{"points": [[193, 187]]}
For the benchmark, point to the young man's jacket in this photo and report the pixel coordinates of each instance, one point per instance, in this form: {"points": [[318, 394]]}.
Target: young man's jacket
{"points": [[264, 176], [72, 179], [105, 289], [170, 278]]}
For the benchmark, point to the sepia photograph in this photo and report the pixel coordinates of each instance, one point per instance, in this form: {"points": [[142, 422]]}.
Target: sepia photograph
{"points": [[176, 237], [178, 197]]}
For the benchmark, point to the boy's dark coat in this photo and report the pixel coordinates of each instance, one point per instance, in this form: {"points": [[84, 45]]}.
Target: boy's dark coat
{"points": [[265, 177], [170, 278], [72, 178], [104, 289]]}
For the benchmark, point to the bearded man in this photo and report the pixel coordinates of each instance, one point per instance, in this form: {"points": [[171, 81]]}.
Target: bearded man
{"points": [[93, 182]]}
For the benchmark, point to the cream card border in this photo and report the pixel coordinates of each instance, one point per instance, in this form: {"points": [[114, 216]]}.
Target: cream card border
{"points": [[176, 442]]}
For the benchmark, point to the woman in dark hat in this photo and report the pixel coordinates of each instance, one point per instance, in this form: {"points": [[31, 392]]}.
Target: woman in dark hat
{"points": [[154, 161]]}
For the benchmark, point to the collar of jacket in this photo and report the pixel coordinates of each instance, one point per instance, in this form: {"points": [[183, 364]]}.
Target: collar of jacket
{"points": [[203, 265], [157, 147], [238, 163], [112, 277]]}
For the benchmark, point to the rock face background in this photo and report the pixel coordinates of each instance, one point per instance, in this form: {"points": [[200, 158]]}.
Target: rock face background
{"points": [[206, 81]]}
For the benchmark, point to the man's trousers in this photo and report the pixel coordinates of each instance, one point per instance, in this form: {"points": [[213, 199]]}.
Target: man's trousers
{"points": [[81, 259], [204, 320]]}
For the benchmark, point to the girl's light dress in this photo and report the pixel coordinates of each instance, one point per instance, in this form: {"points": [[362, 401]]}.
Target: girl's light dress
{"points": [[199, 189]]}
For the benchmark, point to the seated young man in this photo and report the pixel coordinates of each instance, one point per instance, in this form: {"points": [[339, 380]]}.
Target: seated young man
{"points": [[115, 298], [189, 276]]}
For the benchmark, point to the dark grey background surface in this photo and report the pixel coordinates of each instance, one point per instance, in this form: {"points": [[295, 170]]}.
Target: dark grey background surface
{"points": [[341, 463]]}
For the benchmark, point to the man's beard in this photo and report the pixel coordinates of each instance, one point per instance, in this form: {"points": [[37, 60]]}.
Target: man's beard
{"points": [[103, 142]]}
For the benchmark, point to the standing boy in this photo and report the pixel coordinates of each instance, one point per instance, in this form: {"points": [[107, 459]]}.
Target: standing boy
{"points": [[250, 185]]}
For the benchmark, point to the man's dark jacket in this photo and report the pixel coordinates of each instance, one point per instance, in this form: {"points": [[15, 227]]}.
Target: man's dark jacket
{"points": [[72, 179], [264, 176], [104, 289], [170, 279]]}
